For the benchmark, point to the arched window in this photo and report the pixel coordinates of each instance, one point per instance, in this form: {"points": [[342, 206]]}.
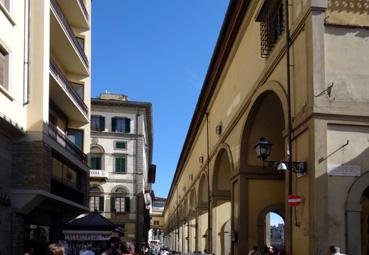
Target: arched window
{"points": [[120, 201], [96, 200], [96, 158]]}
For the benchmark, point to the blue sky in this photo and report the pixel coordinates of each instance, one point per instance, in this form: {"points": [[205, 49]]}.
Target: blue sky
{"points": [[156, 51]]}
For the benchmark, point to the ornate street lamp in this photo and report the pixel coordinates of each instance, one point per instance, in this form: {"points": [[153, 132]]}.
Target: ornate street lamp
{"points": [[263, 149]]}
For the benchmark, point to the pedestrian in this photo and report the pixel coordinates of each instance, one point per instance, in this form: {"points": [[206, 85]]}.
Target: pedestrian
{"points": [[254, 251], [107, 250], [87, 251], [55, 249], [334, 250]]}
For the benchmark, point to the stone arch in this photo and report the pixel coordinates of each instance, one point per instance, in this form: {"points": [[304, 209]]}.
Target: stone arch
{"points": [[97, 148], [266, 111], [223, 168], [203, 190], [225, 236], [192, 202], [353, 213], [275, 208], [96, 188], [120, 189]]}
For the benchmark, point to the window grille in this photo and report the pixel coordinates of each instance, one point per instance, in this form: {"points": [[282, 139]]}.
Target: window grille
{"points": [[271, 18]]}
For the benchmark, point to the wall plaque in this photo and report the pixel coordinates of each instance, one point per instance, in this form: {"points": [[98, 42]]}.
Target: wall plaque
{"points": [[344, 170]]}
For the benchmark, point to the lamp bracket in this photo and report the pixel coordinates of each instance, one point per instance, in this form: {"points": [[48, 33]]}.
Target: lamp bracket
{"points": [[296, 167]]}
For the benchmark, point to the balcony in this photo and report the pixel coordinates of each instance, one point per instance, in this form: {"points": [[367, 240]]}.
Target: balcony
{"points": [[63, 43], [61, 138], [61, 92], [99, 174], [75, 12]]}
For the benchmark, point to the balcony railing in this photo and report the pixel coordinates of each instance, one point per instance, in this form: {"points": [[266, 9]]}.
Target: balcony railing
{"points": [[83, 7], [61, 138], [58, 73], [67, 28]]}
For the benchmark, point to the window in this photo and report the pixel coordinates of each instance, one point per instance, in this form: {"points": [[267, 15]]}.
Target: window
{"points": [[96, 200], [81, 42], [97, 123], [4, 66], [95, 162], [120, 164], [271, 17], [121, 145], [78, 88], [156, 222], [76, 137], [121, 125], [120, 203], [64, 174]]}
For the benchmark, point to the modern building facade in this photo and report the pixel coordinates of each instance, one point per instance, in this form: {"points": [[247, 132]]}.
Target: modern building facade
{"points": [[318, 97], [156, 232], [44, 119], [121, 163]]}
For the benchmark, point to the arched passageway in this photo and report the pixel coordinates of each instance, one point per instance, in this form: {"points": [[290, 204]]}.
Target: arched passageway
{"points": [[258, 186], [221, 200], [202, 212]]}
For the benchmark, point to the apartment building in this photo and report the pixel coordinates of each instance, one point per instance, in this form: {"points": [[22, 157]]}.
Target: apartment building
{"points": [[121, 163], [44, 119]]}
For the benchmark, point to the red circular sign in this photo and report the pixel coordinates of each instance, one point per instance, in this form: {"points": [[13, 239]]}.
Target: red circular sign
{"points": [[294, 200]]}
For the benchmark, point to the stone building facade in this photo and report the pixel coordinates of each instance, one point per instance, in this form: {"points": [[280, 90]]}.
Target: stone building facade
{"points": [[121, 163], [318, 97], [44, 119]]}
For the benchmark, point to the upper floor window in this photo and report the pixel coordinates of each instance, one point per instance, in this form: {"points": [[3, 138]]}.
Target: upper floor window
{"points": [[4, 67], [97, 123], [95, 162], [81, 42], [121, 145], [76, 137], [78, 88], [271, 18], [121, 125], [120, 164]]}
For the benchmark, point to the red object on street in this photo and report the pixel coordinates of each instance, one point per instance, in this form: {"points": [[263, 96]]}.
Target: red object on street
{"points": [[294, 200]]}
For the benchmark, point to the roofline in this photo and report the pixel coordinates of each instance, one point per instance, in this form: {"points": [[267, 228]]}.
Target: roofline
{"points": [[137, 104], [232, 21]]}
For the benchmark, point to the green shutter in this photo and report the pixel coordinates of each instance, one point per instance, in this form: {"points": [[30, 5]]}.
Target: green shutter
{"points": [[127, 125], [113, 124], [126, 204], [112, 204], [101, 204], [120, 165], [102, 123]]}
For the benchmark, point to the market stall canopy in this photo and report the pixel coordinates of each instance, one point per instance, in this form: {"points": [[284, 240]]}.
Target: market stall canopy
{"points": [[89, 227]]}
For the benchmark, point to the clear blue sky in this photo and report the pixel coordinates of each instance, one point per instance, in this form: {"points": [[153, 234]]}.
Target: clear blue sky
{"points": [[156, 51]]}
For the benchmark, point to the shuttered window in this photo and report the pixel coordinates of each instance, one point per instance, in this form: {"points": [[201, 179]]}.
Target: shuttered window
{"points": [[4, 68], [120, 204], [120, 164], [121, 125], [97, 123]]}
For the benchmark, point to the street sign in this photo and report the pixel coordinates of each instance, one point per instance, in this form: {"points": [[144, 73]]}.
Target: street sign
{"points": [[294, 200]]}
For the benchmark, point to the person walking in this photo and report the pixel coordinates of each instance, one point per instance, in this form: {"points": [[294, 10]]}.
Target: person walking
{"points": [[334, 250], [254, 251], [55, 249]]}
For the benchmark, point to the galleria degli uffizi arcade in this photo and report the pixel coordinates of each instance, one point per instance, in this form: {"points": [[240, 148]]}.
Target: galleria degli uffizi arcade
{"points": [[282, 112]]}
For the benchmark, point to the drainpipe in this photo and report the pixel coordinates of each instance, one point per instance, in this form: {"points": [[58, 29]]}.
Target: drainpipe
{"points": [[210, 247], [27, 15], [289, 150]]}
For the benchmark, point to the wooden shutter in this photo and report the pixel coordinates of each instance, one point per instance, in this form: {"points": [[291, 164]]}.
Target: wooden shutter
{"points": [[127, 204], [112, 204], [127, 123], [102, 123], [120, 165], [101, 203], [113, 124]]}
